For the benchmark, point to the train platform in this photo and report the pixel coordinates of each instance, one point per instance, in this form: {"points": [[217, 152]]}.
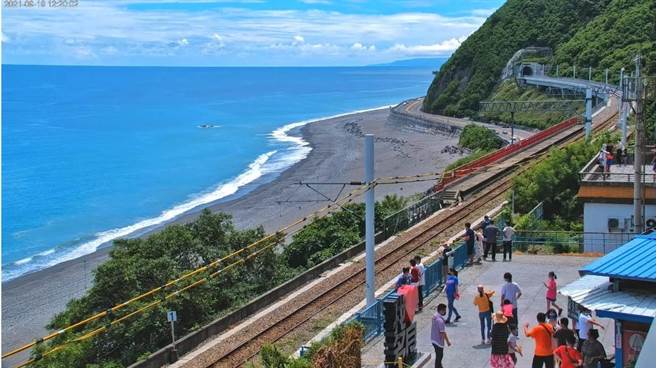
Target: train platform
{"points": [[529, 271]]}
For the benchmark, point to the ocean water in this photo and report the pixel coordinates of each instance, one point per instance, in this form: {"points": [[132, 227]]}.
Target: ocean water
{"points": [[90, 154]]}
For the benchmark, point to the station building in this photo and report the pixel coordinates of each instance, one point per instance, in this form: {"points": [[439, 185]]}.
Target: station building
{"points": [[608, 203], [622, 286]]}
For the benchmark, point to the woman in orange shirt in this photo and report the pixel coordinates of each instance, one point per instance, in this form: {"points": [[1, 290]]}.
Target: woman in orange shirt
{"points": [[482, 301]]}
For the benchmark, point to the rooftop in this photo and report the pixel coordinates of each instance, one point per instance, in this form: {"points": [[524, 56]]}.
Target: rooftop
{"points": [[596, 294], [635, 260], [618, 174]]}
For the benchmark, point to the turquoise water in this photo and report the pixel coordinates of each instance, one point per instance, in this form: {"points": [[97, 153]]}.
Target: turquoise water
{"points": [[90, 154]]}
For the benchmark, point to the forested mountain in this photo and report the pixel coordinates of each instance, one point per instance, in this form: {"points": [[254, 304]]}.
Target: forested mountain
{"points": [[597, 33]]}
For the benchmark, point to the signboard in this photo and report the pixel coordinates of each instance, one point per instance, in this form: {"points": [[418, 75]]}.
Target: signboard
{"points": [[171, 316]]}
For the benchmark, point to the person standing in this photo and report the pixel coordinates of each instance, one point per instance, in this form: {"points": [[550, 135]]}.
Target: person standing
{"points": [[446, 252], [593, 351], [566, 356], [470, 239], [499, 357], [541, 333], [404, 278], [486, 221], [508, 233], [438, 334], [422, 281], [452, 294], [482, 301], [564, 332], [585, 323], [511, 292], [491, 232], [513, 345], [480, 239], [552, 288]]}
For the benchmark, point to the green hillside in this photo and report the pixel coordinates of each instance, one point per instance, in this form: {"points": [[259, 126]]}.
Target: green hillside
{"points": [[602, 34]]}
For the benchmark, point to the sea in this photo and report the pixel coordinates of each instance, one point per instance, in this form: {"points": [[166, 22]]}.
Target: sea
{"points": [[91, 154]]}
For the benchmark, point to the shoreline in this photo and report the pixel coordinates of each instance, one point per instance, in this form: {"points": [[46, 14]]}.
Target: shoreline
{"points": [[402, 148], [227, 190]]}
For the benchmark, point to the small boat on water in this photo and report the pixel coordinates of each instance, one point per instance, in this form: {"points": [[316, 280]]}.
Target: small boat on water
{"points": [[206, 126]]}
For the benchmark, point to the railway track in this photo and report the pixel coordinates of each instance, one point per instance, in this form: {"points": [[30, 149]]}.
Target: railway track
{"points": [[341, 291]]}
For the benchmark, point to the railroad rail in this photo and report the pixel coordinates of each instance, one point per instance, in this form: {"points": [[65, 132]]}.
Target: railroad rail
{"points": [[341, 291]]}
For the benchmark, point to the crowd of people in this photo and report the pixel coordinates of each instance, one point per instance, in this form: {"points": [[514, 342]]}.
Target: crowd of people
{"points": [[555, 342]]}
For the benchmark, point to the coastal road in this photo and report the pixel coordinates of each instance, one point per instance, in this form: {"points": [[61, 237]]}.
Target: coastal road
{"points": [[413, 108]]}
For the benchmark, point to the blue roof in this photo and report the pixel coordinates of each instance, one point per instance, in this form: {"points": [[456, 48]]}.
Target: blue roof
{"points": [[635, 260]]}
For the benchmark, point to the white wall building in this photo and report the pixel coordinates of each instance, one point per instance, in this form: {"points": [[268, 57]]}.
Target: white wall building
{"points": [[608, 205]]}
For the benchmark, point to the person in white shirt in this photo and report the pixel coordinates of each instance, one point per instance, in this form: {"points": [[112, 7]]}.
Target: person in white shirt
{"points": [[508, 233], [422, 281], [585, 323]]}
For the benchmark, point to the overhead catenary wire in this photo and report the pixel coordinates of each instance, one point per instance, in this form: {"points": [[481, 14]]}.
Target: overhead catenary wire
{"points": [[349, 198]]}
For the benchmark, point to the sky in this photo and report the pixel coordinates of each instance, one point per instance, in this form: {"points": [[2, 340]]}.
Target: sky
{"points": [[238, 33]]}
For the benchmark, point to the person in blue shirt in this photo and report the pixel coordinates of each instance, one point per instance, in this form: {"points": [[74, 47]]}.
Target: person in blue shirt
{"points": [[404, 278], [451, 290]]}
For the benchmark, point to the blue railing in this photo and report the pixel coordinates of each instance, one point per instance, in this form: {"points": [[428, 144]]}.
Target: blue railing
{"points": [[372, 317]]}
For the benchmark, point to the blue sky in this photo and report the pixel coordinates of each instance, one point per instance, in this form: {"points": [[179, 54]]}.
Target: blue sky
{"points": [[239, 33]]}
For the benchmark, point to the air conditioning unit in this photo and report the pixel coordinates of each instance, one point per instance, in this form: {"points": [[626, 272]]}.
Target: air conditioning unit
{"points": [[650, 223], [613, 224]]}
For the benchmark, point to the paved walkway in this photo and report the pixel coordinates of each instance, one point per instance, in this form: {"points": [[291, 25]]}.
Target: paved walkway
{"points": [[529, 272]]}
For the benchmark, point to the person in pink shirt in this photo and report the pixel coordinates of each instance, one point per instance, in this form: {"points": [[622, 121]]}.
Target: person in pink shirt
{"points": [[507, 309], [552, 287]]}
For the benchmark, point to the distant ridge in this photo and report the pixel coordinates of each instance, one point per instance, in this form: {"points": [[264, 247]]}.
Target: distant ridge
{"points": [[417, 62]]}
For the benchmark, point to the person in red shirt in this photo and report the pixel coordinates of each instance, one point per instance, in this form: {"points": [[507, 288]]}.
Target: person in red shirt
{"points": [[567, 356], [542, 334]]}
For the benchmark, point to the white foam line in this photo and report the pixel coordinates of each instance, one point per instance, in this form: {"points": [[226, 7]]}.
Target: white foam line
{"points": [[262, 165]]}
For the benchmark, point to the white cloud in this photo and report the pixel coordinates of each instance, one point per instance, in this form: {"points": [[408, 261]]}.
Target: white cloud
{"points": [[482, 12], [440, 48], [218, 40], [238, 35], [360, 47]]}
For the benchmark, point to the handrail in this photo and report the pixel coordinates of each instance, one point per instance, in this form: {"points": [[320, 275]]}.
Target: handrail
{"points": [[460, 171]]}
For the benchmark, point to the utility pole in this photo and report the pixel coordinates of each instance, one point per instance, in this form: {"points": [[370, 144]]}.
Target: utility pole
{"points": [[606, 74], [557, 70], [639, 148], [589, 73], [623, 111], [588, 113], [574, 72], [369, 219], [512, 127]]}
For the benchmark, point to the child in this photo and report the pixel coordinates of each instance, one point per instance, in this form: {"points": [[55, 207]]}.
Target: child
{"points": [[513, 347], [551, 292], [507, 309]]}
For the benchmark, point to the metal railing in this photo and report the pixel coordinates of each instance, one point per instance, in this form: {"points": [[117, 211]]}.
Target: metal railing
{"points": [[615, 177], [569, 241], [372, 317], [411, 215], [498, 155]]}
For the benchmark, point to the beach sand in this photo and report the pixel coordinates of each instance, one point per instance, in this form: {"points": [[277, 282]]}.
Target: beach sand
{"points": [[401, 148]]}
